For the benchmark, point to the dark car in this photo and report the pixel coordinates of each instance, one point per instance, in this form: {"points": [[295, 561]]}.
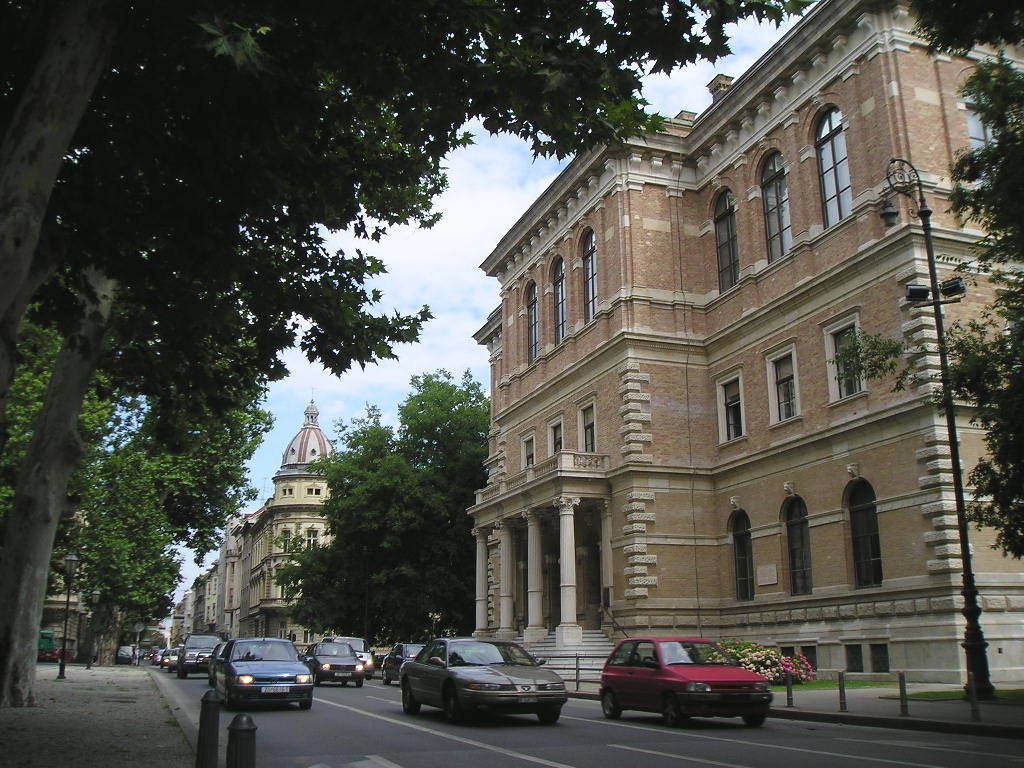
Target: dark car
{"points": [[462, 675], [362, 651], [332, 662], [211, 662], [681, 677], [196, 653], [392, 662], [123, 655], [262, 670]]}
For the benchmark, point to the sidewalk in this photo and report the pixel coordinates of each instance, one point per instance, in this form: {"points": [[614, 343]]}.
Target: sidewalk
{"points": [[116, 717]]}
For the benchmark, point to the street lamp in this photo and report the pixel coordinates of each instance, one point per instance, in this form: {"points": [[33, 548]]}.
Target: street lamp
{"points": [[70, 564], [904, 179]]}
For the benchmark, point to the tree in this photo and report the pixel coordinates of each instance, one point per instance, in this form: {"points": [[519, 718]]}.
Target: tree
{"points": [[168, 171], [401, 555]]}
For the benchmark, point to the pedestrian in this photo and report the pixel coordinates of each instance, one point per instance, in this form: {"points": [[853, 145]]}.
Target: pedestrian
{"points": [[135, 655]]}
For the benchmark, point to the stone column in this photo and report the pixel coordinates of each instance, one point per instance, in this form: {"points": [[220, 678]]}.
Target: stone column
{"points": [[535, 629], [505, 629], [568, 632], [607, 579], [481, 582]]}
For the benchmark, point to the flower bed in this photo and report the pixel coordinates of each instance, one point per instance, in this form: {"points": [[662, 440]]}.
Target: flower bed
{"points": [[769, 662]]}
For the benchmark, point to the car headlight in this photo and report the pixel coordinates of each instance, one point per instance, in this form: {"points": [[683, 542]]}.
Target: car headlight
{"points": [[325, 666], [698, 687], [368, 663], [244, 679], [303, 678], [359, 667], [551, 687], [762, 687]]}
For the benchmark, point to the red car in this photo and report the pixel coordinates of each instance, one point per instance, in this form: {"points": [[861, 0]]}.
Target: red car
{"points": [[681, 677]]}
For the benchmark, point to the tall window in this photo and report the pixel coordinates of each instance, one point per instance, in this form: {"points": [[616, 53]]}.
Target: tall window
{"points": [[979, 134], [589, 275], [559, 300], [834, 166], [532, 323], [725, 241], [785, 387], [775, 197], [743, 556], [529, 453], [732, 407], [798, 540], [867, 550], [556, 437], [312, 537], [847, 377], [589, 429]]}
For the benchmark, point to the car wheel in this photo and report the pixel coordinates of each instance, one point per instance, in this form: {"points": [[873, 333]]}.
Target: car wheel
{"points": [[452, 709], [359, 683], [610, 706], [409, 704], [181, 674], [307, 704], [754, 720], [549, 715], [385, 679], [670, 713]]}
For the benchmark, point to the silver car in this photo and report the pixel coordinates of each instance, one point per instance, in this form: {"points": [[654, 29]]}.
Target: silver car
{"points": [[462, 675]]}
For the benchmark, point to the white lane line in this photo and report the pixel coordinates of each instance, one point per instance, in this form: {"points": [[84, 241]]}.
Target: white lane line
{"points": [[450, 736], [923, 745], [383, 762], [745, 743], [678, 757]]}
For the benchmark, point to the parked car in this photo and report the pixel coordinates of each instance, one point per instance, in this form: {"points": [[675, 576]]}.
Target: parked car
{"points": [[197, 650], [123, 655], [211, 662], [681, 677], [462, 675], [172, 658], [362, 651], [332, 662], [392, 662], [47, 648], [253, 670]]}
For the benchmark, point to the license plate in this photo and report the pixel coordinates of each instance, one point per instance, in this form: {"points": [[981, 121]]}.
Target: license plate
{"points": [[528, 699], [274, 689], [341, 674]]}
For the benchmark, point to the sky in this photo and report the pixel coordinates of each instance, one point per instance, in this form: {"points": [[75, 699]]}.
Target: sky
{"points": [[491, 184]]}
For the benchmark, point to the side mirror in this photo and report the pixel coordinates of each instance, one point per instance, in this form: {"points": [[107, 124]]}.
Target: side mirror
{"points": [[650, 664], [541, 662]]}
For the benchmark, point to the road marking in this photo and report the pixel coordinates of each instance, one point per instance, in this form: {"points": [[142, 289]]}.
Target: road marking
{"points": [[745, 743], [923, 745], [678, 757], [450, 736], [385, 763]]}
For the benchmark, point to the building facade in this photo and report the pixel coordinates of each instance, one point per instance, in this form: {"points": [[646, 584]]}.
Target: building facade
{"points": [[676, 443]]}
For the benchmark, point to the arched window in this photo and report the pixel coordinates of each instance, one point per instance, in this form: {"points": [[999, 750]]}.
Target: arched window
{"points": [[834, 166], [532, 323], [558, 283], [589, 276], [798, 541], [725, 240], [775, 197], [867, 551], [743, 556]]}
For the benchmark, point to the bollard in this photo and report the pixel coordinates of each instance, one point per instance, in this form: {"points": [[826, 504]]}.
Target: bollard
{"points": [[577, 671], [242, 742], [209, 724], [789, 689], [972, 694], [904, 703], [842, 691]]}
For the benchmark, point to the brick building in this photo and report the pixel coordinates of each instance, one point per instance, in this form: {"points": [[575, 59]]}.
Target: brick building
{"points": [[673, 443]]}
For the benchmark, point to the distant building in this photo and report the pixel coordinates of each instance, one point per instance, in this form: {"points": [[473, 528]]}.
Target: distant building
{"points": [[675, 444]]}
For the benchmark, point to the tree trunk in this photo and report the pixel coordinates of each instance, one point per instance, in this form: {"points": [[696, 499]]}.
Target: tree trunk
{"points": [[32, 152], [40, 498]]}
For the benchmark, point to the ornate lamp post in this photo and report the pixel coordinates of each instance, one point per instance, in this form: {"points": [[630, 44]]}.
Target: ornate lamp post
{"points": [[904, 179], [70, 564]]}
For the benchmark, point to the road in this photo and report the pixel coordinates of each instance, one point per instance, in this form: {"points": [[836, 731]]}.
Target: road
{"points": [[366, 728]]}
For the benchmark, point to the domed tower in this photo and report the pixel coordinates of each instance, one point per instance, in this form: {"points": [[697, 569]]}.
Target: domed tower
{"points": [[291, 520]]}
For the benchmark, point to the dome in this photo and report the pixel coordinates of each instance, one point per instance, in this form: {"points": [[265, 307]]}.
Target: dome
{"points": [[309, 444]]}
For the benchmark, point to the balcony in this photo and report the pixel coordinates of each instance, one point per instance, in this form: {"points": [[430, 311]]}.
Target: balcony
{"points": [[575, 464]]}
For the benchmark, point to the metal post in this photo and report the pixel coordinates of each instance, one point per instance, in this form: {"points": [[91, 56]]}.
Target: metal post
{"points": [[972, 694], [577, 671], [789, 689], [209, 724], [241, 742], [842, 691], [904, 704], [70, 563], [904, 179]]}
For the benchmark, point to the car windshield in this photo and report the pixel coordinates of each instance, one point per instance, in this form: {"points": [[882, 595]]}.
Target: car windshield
{"points": [[357, 643], [263, 651], [688, 652], [202, 641], [412, 649], [334, 649], [476, 653]]}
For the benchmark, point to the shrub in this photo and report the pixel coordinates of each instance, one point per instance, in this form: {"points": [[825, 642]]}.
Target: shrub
{"points": [[769, 662]]}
